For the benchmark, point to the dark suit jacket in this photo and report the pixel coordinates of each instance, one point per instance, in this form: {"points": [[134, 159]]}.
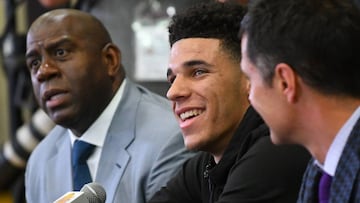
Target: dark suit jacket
{"points": [[345, 187]]}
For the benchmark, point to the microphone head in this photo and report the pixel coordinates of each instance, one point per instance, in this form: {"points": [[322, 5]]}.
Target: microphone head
{"points": [[94, 192]]}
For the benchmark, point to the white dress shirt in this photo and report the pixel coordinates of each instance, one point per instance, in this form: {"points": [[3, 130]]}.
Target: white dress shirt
{"points": [[96, 133], [337, 146]]}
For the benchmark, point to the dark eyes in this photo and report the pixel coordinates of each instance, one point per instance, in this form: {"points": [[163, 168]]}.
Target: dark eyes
{"points": [[60, 52], [33, 64]]}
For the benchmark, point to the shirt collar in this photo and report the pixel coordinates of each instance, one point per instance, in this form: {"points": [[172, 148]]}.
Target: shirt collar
{"points": [[337, 146], [96, 133]]}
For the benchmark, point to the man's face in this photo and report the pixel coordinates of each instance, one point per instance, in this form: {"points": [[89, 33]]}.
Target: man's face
{"points": [[208, 92], [266, 99], [67, 73]]}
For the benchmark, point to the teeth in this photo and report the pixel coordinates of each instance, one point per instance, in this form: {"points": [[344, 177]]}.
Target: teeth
{"points": [[189, 114]]}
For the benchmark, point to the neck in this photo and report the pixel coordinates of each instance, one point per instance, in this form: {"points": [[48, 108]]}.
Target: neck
{"points": [[327, 116]]}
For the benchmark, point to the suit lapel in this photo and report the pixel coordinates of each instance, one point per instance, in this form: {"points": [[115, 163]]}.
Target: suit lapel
{"points": [[347, 169], [114, 158], [309, 188], [111, 170], [58, 179]]}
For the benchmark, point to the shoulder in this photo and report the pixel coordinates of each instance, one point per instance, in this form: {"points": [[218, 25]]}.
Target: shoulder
{"points": [[273, 173], [149, 97], [141, 97], [147, 113], [47, 146], [154, 112], [44, 152], [265, 152]]}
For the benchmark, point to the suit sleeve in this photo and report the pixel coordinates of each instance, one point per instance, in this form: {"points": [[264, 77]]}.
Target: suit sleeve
{"points": [[266, 173], [167, 165], [185, 186]]}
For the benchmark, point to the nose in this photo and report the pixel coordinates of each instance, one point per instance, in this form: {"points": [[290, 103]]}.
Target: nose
{"points": [[46, 71], [179, 89]]}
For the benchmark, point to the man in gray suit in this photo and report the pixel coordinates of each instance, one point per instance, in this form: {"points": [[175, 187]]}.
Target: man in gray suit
{"points": [[79, 81], [301, 57]]}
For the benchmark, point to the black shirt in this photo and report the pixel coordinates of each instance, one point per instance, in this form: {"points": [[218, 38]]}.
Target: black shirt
{"points": [[252, 169]]}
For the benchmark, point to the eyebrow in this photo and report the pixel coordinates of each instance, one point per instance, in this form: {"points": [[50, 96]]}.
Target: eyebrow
{"points": [[50, 45], [196, 62]]}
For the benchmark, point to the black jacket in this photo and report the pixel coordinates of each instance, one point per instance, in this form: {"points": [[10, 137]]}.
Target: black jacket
{"points": [[252, 169]]}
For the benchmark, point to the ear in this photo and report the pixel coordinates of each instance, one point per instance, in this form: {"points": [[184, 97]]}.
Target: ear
{"points": [[287, 81], [112, 58]]}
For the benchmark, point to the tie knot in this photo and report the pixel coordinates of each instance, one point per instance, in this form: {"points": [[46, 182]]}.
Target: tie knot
{"points": [[82, 151]]}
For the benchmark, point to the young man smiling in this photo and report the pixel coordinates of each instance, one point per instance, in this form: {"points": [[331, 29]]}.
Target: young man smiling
{"points": [[209, 96]]}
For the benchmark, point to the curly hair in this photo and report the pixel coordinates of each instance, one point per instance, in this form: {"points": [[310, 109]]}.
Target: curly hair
{"points": [[210, 20]]}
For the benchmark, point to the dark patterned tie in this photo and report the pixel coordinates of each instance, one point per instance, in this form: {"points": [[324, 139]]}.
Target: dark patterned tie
{"points": [[324, 188], [81, 174]]}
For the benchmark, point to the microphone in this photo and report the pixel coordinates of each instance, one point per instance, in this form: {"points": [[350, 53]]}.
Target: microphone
{"points": [[89, 193]]}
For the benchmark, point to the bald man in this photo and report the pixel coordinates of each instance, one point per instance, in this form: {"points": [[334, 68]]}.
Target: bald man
{"points": [[79, 81]]}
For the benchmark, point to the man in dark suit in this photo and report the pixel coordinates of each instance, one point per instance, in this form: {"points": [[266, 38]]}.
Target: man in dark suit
{"points": [[79, 81], [301, 58], [238, 162]]}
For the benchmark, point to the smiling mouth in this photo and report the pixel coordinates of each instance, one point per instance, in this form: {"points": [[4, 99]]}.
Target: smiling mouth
{"points": [[190, 114]]}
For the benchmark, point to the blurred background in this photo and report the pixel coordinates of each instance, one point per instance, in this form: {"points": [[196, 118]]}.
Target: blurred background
{"points": [[6, 121]]}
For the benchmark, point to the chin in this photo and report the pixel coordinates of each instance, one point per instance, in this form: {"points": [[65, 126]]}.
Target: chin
{"points": [[191, 145]]}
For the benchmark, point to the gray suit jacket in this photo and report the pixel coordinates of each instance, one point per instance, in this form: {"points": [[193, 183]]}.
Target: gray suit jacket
{"points": [[345, 187], [142, 151]]}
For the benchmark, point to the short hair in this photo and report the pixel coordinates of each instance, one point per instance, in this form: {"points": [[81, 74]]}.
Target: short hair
{"points": [[210, 20], [319, 39]]}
